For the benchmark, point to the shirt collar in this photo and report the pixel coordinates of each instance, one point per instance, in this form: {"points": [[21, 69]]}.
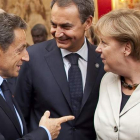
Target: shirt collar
{"points": [[83, 52], [1, 80]]}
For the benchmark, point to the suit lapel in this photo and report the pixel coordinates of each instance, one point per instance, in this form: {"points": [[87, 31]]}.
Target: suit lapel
{"points": [[10, 114], [12, 84], [115, 95], [56, 65], [133, 101], [92, 72], [21, 117]]}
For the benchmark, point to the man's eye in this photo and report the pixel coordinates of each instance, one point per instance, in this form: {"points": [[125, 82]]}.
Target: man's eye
{"points": [[54, 26], [67, 27], [103, 42]]}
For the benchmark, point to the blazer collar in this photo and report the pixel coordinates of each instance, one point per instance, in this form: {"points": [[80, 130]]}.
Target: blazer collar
{"points": [[21, 117], [115, 96], [56, 66], [132, 101], [93, 69], [12, 84], [10, 114]]}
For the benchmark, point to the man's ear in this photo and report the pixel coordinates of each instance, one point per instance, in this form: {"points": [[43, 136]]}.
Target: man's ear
{"points": [[1, 50], [88, 22], [127, 49]]}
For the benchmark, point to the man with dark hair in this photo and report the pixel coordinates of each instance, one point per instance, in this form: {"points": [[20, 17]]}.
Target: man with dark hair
{"points": [[12, 54], [39, 33], [63, 74]]}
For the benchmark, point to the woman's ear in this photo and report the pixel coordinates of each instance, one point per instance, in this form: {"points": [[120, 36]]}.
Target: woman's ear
{"points": [[127, 49], [88, 22]]}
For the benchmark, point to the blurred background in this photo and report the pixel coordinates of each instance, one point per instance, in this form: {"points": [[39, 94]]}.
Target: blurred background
{"points": [[38, 11]]}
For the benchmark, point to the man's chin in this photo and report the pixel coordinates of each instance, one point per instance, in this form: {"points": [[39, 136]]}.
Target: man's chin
{"points": [[16, 74], [62, 46]]}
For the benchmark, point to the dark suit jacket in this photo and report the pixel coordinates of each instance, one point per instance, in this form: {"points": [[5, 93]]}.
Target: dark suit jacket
{"points": [[42, 85], [10, 128], [12, 84]]}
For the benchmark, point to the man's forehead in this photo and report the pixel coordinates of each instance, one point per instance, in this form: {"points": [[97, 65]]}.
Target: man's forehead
{"points": [[65, 15]]}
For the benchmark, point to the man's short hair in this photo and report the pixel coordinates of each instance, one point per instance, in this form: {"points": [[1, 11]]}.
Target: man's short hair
{"points": [[85, 7], [8, 23]]}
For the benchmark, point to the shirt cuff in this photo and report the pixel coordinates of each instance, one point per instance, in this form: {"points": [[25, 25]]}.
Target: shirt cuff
{"points": [[49, 135]]}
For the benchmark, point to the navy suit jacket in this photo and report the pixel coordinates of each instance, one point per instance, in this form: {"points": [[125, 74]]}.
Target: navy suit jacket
{"points": [[42, 85], [9, 126], [12, 84]]}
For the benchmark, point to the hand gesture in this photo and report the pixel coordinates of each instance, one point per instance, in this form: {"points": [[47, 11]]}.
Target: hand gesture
{"points": [[53, 124]]}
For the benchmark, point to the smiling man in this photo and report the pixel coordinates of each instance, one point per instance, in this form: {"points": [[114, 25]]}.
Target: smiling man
{"points": [[53, 80], [12, 55], [67, 28], [11, 60]]}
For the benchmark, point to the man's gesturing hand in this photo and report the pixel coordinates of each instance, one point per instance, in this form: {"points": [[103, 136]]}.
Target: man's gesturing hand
{"points": [[53, 124]]}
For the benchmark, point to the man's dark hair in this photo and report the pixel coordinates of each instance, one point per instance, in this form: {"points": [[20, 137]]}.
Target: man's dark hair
{"points": [[8, 23], [85, 7], [39, 27]]}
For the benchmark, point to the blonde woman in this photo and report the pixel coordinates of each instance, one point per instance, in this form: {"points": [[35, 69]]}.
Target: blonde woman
{"points": [[117, 115]]}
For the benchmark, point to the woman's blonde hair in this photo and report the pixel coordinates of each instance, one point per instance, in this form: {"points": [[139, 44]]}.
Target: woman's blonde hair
{"points": [[124, 26]]}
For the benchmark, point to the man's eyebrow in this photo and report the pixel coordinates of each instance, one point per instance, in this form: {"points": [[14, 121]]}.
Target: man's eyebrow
{"points": [[64, 24], [52, 22]]}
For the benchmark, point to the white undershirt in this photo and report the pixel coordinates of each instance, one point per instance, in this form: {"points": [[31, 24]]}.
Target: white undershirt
{"points": [[82, 62]]}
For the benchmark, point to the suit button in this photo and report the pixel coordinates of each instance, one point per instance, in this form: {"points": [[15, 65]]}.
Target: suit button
{"points": [[73, 128], [115, 129]]}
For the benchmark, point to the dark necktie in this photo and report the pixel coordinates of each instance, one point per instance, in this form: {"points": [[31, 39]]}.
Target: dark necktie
{"points": [[8, 96], [75, 83]]}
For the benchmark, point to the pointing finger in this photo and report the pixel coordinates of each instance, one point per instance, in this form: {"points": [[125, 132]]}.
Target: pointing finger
{"points": [[66, 118]]}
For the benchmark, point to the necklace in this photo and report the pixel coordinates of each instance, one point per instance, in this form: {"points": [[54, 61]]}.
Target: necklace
{"points": [[130, 87]]}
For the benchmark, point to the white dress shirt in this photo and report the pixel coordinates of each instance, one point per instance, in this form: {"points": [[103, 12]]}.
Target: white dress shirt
{"points": [[82, 62]]}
